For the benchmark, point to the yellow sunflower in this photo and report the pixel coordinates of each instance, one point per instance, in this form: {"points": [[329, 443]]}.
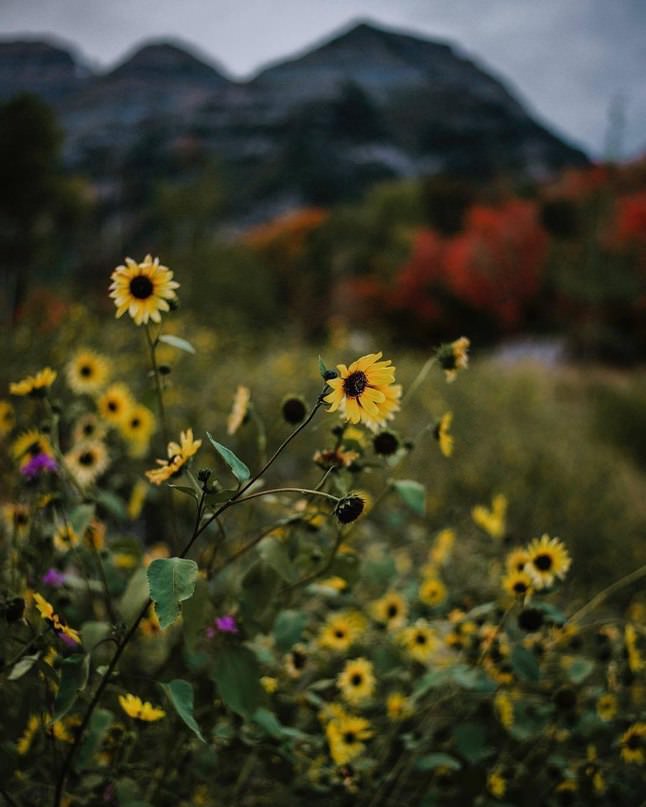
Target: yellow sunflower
{"points": [[88, 427], [398, 706], [357, 681], [364, 391], [419, 640], [178, 455], [454, 357], [632, 744], [341, 630], [57, 623], [140, 710], [516, 560], [115, 404], [635, 661], [87, 461], [137, 428], [607, 706], [65, 538], [296, 661], [17, 519], [492, 521], [548, 559], [442, 434], [432, 592], [240, 409], [390, 610], [346, 735], [496, 783], [143, 289], [517, 583], [87, 372], [7, 418], [28, 445], [35, 385], [442, 547]]}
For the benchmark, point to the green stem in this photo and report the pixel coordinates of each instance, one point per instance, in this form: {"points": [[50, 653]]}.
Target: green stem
{"points": [[606, 592]]}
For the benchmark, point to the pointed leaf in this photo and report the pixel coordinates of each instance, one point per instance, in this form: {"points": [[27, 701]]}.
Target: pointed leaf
{"points": [[237, 675], [74, 674], [322, 368], [178, 342], [80, 518], [237, 466], [134, 597], [438, 760], [23, 666], [171, 581], [524, 664], [185, 489], [413, 494], [180, 694]]}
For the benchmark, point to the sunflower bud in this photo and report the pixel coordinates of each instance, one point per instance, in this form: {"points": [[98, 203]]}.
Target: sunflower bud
{"points": [[349, 509], [385, 443], [530, 619], [294, 409]]}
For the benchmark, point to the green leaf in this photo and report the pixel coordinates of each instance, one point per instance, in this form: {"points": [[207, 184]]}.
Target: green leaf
{"points": [[178, 342], [430, 762], [237, 675], [472, 679], [580, 669], [171, 581], [269, 722], [237, 466], [258, 600], [75, 670], [432, 680], [413, 494], [80, 518], [524, 664], [22, 667], [288, 628], [97, 729], [92, 633], [194, 614], [219, 496], [134, 597], [185, 489], [276, 555], [322, 368], [180, 694], [470, 740], [114, 504]]}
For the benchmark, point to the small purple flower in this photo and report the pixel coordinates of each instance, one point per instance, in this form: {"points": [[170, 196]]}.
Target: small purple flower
{"points": [[222, 624], [40, 463], [53, 577], [68, 640]]}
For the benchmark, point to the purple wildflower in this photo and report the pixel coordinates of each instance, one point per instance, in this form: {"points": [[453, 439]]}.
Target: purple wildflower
{"points": [[53, 577], [222, 624], [67, 640], [40, 463]]}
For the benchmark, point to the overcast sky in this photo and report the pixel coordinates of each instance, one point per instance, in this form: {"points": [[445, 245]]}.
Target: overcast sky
{"points": [[571, 60]]}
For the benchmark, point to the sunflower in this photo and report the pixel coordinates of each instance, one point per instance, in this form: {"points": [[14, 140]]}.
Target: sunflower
{"points": [[178, 456], [139, 710], [635, 661], [34, 385], [88, 427], [137, 428], [607, 706], [504, 708], [518, 584], [87, 372], [516, 560], [390, 610], [548, 559], [240, 410], [419, 640], [7, 418], [492, 521], [17, 519], [631, 744], [442, 435], [496, 783], [65, 538], [87, 461], [398, 706], [335, 458], [432, 592], [115, 404], [364, 392], [442, 546], [341, 630], [296, 661], [345, 735], [357, 681], [29, 445], [142, 289], [57, 623], [454, 357]]}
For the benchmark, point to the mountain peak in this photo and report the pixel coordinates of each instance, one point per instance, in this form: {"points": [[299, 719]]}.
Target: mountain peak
{"points": [[161, 59]]}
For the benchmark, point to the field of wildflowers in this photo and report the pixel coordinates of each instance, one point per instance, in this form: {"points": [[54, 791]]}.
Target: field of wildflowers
{"points": [[243, 577]]}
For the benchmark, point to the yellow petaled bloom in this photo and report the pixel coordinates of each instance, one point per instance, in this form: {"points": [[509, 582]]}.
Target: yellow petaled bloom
{"points": [[143, 289], [60, 731], [333, 583], [269, 684], [88, 427], [398, 707], [346, 735], [516, 560], [357, 681], [341, 630], [364, 391], [140, 710], [240, 409], [87, 372], [635, 661], [7, 418], [296, 661], [65, 538], [137, 499], [442, 546], [454, 357], [607, 706], [115, 404], [504, 708], [420, 641], [496, 784], [35, 385], [548, 559], [442, 434], [633, 744], [87, 461], [335, 458], [46, 610], [137, 428], [178, 455], [24, 743], [17, 519], [518, 584], [390, 610], [28, 445], [492, 521], [94, 535], [432, 592]]}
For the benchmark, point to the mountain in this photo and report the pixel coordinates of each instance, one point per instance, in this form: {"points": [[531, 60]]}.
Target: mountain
{"points": [[366, 104]]}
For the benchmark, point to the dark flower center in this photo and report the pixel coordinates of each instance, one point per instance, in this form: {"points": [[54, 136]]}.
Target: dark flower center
{"points": [[420, 638], [520, 587], [298, 659], [88, 429], [34, 449], [392, 611], [340, 634], [530, 619], [349, 737], [113, 406], [633, 742], [20, 519], [356, 680], [294, 410], [385, 443], [543, 562], [355, 384], [87, 458], [141, 287], [135, 423], [85, 370]]}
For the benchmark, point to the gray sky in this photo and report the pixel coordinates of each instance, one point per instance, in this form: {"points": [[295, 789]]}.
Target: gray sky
{"points": [[569, 59]]}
